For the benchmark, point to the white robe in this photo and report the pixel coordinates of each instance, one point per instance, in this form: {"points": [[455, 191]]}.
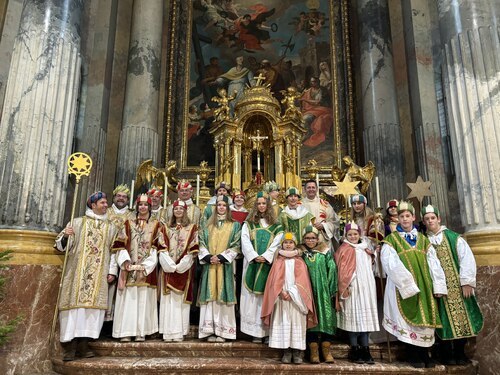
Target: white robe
{"points": [[174, 312], [136, 310], [217, 318], [398, 277], [359, 310], [289, 319], [251, 303], [330, 223]]}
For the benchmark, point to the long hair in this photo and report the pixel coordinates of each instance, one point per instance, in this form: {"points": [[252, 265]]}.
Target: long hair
{"points": [[184, 220], [267, 215], [213, 219]]}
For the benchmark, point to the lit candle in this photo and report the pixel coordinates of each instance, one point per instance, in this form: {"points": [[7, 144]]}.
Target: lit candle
{"points": [[197, 189], [377, 192], [258, 161], [132, 195]]}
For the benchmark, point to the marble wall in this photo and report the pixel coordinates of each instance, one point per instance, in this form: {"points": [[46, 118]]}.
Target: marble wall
{"points": [[31, 291]]}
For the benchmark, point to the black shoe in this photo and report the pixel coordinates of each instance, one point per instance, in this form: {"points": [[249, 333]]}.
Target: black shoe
{"points": [[366, 356], [69, 350], [355, 355]]}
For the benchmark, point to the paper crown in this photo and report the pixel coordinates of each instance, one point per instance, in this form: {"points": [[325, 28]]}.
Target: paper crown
{"points": [[392, 203], [289, 236], [122, 189], [143, 198], [183, 184], [352, 226], [429, 209], [238, 192], [359, 198], [262, 194], [292, 190], [310, 229], [179, 203], [406, 206], [271, 186], [155, 192], [223, 185], [223, 198]]}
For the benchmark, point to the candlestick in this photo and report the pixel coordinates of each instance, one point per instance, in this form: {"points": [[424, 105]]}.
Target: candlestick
{"points": [[131, 203], [317, 182]]}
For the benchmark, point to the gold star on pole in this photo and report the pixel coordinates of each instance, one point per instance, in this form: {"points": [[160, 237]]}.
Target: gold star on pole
{"points": [[419, 189], [79, 164], [346, 187]]}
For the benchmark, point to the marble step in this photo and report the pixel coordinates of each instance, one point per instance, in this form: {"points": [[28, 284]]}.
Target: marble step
{"points": [[241, 365], [235, 349]]}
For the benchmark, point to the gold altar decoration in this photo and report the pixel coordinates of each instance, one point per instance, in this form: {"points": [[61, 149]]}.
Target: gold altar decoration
{"points": [[257, 131], [148, 174], [312, 169], [356, 173], [204, 172]]}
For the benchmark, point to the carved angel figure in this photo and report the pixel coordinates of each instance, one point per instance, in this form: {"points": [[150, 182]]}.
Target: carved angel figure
{"points": [[290, 95], [149, 174], [221, 113]]}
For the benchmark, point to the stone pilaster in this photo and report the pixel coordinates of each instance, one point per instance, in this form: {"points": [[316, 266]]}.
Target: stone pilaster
{"points": [[420, 31], [382, 139], [139, 139], [470, 46], [38, 117]]}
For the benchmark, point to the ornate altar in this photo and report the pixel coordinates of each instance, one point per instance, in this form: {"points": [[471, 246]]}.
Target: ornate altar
{"points": [[255, 142]]}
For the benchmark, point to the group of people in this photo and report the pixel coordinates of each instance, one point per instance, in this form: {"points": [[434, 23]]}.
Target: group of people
{"points": [[290, 274]]}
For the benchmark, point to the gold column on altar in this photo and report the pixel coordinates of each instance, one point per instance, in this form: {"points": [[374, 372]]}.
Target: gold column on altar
{"points": [[258, 138]]}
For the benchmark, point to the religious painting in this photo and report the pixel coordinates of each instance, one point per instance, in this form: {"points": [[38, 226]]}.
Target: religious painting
{"points": [[230, 43]]}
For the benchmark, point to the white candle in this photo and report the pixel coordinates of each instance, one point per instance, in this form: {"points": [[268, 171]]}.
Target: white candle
{"points": [[132, 195], [377, 192], [165, 192], [258, 161], [197, 189], [317, 182]]}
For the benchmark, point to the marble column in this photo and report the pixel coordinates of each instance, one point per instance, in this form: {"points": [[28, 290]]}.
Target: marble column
{"points": [[471, 68], [139, 139], [418, 16], [38, 117], [382, 131], [36, 136]]}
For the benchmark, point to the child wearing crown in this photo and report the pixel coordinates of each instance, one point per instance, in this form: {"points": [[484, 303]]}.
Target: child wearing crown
{"points": [[288, 307]]}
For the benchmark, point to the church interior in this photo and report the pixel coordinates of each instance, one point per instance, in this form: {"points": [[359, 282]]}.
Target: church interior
{"points": [[403, 94]]}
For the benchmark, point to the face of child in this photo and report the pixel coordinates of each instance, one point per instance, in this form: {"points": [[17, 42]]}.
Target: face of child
{"points": [[432, 222], [274, 194], [358, 207], [261, 205], [353, 236], [221, 191], [143, 208], [393, 211], [221, 208], [288, 245], [310, 240], [239, 200], [406, 219], [178, 211], [292, 200]]}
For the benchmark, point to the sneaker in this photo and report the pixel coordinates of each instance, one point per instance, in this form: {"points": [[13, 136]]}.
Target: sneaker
{"points": [[125, 339], [178, 340], [140, 338], [287, 356], [220, 339], [212, 339], [297, 356], [257, 340], [167, 340]]}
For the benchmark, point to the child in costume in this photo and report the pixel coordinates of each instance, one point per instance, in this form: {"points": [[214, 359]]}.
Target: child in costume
{"points": [[357, 296], [288, 307]]}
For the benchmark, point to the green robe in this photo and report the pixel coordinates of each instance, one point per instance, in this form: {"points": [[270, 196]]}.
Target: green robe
{"points": [[461, 317], [323, 274], [217, 280], [262, 238], [420, 310], [296, 226]]}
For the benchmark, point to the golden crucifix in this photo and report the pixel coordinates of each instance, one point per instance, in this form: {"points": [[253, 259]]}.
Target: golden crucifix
{"points": [[257, 146], [261, 77]]}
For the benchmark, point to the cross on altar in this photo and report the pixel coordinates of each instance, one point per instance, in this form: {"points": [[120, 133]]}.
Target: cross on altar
{"points": [[257, 146], [259, 79]]}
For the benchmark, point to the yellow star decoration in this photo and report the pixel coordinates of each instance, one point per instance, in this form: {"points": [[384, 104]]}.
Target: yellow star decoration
{"points": [[346, 187], [419, 189], [79, 164]]}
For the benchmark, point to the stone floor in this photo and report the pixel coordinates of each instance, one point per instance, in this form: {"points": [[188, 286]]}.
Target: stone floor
{"points": [[237, 357]]}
